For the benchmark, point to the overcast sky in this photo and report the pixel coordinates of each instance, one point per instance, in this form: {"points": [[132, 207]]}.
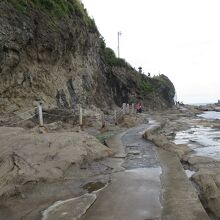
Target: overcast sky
{"points": [[178, 38]]}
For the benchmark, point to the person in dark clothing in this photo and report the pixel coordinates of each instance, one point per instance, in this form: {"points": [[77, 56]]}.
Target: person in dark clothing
{"points": [[139, 108]]}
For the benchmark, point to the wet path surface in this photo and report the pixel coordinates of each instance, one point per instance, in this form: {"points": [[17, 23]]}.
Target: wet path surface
{"points": [[133, 191], [140, 153], [136, 186]]}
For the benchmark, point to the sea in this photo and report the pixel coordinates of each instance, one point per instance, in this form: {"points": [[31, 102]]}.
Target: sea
{"points": [[203, 140]]}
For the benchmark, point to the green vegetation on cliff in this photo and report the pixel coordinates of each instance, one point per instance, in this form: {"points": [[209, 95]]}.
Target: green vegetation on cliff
{"points": [[47, 40], [146, 86], [110, 58], [59, 8]]}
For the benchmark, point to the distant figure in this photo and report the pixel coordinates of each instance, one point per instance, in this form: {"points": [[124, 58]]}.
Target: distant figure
{"points": [[148, 74], [140, 69], [139, 108]]}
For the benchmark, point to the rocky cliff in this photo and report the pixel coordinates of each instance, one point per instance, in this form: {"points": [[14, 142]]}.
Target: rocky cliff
{"points": [[52, 51]]}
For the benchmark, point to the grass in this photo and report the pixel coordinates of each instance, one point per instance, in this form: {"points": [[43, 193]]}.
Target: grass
{"points": [[105, 135], [144, 83], [59, 8], [146, 86], [110, 58], [160, 78]]}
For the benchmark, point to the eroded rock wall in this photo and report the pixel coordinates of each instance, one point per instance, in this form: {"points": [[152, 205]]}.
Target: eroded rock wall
{"points": [[58, 61]]}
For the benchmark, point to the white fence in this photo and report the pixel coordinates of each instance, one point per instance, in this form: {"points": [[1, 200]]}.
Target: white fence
{"points": [[38, 112]]}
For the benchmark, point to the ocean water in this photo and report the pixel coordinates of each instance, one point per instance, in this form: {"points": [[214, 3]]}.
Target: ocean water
{"points": [[204, 141], [198, 104], [210, 115]]}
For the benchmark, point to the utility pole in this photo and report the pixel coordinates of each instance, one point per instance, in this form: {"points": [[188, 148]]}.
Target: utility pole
{"points": [[119, 34]]}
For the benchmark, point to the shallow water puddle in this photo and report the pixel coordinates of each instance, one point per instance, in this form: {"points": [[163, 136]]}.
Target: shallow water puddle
{"points": [[74, 208], [64, 209], [203, 140], [93, 186], [189, 173], [132, 194]]}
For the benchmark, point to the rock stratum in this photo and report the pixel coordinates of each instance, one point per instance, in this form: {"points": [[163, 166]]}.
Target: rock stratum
{"points": [[27, 157], [52, 51]]}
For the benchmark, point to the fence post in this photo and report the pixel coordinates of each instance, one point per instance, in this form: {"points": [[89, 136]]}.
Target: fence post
{"points": [[124, 108], [103, 120], [80, 117], [128, 110], [115, 117], [132, 108], [40, 114]]}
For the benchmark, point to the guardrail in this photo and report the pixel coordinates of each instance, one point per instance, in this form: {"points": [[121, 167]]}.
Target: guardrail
{"points": [[18, 117], [126, 109], [41, 114]]}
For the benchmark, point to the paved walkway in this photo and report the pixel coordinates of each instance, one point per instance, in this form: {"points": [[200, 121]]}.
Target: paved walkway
{"points": [[179, 198], [134, 193], [137, 186]]}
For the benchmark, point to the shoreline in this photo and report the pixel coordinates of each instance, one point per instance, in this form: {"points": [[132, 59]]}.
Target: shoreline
{"points": [[206, 177], [170, 121]]}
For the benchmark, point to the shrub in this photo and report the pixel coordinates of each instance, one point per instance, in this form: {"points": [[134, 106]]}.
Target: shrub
{"points": [[161, 79], [146, 86], [133, 99], [109, 56], [102, 43]]}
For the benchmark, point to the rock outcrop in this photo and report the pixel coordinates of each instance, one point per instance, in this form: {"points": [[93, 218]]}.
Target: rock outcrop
{"points": [[52, 51], [32, 157], [207, 181], [206, 177]]}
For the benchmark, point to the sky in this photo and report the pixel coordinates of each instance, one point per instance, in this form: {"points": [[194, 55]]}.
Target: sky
{"points": [[177, 38]]}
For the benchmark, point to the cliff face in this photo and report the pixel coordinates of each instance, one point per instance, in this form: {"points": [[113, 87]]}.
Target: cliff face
{"points": [[61, 59]]}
